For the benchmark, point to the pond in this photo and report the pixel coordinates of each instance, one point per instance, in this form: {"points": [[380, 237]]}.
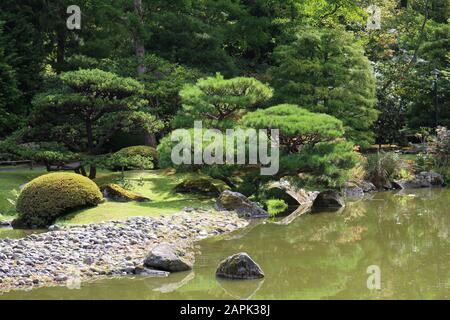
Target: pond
{"points": [[316, 256]]}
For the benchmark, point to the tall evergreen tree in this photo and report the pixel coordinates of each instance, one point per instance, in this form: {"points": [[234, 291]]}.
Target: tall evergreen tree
{"points": [[9, 92], [326, 71]]}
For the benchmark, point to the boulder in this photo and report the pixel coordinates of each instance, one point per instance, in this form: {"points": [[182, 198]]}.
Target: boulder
{"points": [[353, 191], [330, 199], [199, 186], [398, 185], [167, 257], [235, 201], [367, 186], [431, 177], [239, 266], [117, 193]]}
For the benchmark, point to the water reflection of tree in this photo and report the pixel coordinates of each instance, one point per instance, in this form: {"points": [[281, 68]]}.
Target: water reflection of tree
{"points": [[405, 235]]}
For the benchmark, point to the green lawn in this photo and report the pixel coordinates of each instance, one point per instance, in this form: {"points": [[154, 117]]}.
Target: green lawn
{"points": [[157, 185], [10, 181]]}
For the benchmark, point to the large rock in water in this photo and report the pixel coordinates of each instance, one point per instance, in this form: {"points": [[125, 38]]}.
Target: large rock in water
{"points": [[239, 266], [168, 257], [330, 199], [235, 201]]}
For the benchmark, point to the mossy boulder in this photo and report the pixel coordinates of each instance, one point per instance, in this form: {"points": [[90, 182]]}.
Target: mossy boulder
{"points": [[117, 193], [235, 201], [239, 266], [50, 196], [198, 186], [328, 200]]}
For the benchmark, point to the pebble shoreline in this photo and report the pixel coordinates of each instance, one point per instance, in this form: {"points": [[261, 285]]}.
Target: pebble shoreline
{"points": [[115, 248]]}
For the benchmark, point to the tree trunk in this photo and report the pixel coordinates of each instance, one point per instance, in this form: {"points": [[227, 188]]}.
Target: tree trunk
{"points": [[92, 171], [139, 48], [83, 171], [89, 135], [90, 139], [138, 42], [60, 50], [150, 139]]}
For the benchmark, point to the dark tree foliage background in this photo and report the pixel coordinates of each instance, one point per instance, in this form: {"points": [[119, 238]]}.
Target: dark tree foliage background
{"points": [[317, 54]]}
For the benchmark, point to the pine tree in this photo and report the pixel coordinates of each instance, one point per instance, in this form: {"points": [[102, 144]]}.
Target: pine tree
{"points": [[92, 106], [312, 144], [220, 102], [326, 71], [9, 93]]}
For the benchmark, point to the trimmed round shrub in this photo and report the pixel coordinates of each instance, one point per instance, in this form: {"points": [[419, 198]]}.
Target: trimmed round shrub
{"points": [[144, 151], [135, 157], [50, 196]]}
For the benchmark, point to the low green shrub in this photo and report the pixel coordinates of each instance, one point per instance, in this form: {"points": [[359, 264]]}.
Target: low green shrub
{"points": [[133, 158], [48, 197], [276, 206], [424, 162]]}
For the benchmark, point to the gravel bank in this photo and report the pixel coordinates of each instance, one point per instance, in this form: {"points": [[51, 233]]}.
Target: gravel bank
{"points": [[80, 253]]}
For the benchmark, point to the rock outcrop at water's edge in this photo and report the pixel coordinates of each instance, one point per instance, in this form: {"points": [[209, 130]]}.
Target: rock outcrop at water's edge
{"points": [[329, 199], [239, 266], [235, 201], [168, 257], [425, 179], [80, 253]]}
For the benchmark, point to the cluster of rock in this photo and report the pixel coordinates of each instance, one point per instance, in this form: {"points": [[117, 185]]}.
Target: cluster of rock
{"points": [[425, 179], [109, 249]]}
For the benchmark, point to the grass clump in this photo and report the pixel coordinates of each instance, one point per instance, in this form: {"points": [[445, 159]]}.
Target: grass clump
{"points": [[276, 206]]}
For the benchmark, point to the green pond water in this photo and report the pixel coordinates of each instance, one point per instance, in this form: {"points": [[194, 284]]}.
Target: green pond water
{"points": [[316, 256]]}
